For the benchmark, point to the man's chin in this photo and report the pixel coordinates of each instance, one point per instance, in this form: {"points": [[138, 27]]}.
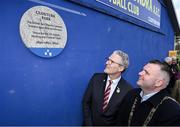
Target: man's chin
{"points": [[106, 71], [138, 83]]}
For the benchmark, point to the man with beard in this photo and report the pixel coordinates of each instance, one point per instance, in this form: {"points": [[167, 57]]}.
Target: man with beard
{"points": [[105, 92]]}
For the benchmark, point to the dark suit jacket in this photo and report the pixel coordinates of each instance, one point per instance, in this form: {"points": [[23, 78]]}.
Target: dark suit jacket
{"points": [[167, 114], [93, 100]]}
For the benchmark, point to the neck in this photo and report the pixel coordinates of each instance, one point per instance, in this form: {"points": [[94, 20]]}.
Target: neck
{"points": [[145, 92], [114, 76]]}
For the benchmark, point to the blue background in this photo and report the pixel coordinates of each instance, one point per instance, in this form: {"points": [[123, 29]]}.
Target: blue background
{"points": [[41, 91]]}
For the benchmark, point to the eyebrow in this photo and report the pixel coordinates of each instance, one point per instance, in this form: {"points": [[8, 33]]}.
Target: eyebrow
{"points": [[146, 71]]}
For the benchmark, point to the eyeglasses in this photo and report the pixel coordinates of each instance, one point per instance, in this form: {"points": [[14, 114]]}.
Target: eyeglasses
{"points": [[112, 61]]}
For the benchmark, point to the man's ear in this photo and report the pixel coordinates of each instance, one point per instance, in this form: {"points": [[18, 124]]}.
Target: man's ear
{"points": [[159, 83], [121, 68]]}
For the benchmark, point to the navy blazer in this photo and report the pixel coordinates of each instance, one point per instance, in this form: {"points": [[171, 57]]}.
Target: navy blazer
{"points": [[167, 114], [93, 100]]}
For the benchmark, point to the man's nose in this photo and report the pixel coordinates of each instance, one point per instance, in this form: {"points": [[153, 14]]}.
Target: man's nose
{"points": [[108, 61], [141, 73]]}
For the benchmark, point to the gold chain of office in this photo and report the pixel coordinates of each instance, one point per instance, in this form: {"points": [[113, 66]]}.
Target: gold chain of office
{"points": [[150, 115]]}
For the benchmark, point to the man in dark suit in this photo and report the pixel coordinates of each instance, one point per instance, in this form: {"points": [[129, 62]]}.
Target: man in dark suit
{"points": [[151, 104], [105, 92]]}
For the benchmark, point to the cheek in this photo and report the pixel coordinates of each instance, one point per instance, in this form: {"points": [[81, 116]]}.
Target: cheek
{"points": [[145, 80], [112, 69], [150, 82], [115, 68]]}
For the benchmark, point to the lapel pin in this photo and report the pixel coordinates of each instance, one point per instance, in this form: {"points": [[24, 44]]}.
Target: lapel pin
{"points": [[118, 90]]}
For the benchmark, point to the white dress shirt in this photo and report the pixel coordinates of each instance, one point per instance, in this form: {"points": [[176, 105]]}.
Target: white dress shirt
{"points": [[113, 85]]}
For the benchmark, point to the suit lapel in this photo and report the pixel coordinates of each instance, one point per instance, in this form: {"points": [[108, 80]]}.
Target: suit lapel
{"points": [[101, 89]]}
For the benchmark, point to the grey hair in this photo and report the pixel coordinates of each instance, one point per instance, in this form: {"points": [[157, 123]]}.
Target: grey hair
{"points": [[124, 56]]}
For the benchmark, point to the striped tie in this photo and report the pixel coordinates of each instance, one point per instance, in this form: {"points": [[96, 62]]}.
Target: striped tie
{"points": [[106, 96]]}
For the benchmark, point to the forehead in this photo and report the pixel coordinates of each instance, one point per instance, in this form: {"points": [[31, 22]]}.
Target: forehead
{"points": [[115, 56], [152, 68]]}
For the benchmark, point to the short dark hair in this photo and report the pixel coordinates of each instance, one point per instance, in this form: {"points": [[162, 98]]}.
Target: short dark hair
{"points": [[164, 66]]}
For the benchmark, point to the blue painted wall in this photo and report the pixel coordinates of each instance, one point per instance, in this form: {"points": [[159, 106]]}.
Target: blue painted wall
{"points": [[39, 91]]}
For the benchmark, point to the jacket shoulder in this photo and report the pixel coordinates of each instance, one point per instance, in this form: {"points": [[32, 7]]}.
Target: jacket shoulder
{"points": [[126, 83], [99, 75], [134, 92]]}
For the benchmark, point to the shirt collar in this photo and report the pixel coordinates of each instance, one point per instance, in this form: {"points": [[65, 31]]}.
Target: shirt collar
{"points": [[115, 81], [146, 97]]}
